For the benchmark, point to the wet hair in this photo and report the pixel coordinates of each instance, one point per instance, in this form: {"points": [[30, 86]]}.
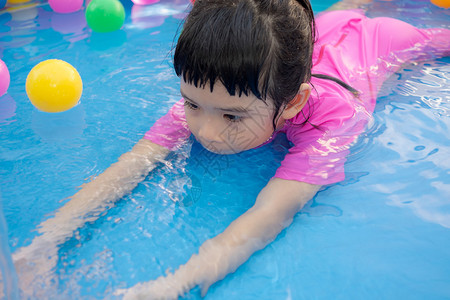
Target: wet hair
{"points": [[262, 47]]}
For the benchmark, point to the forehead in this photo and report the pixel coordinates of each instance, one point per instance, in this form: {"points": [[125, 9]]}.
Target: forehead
{"points": [[220, 98]]}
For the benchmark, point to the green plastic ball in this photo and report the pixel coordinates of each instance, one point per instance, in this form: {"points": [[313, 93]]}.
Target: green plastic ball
{"points": [[105, 15]]}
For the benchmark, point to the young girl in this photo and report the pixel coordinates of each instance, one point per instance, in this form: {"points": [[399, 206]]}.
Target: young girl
{"points": [[251, 69]]}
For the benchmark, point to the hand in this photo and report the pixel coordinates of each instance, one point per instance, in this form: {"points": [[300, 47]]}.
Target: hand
{"points": [[34, 267], [163, 288], [199, 270]]}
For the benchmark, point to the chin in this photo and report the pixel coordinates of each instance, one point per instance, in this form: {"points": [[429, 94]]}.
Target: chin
{"points": [[222, 151]]}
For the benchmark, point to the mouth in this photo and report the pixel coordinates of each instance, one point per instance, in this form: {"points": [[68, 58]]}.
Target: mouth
{"points": [[219, 149]]}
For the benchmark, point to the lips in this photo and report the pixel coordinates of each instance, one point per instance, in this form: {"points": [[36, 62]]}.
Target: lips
{"points": [[218, 148]]}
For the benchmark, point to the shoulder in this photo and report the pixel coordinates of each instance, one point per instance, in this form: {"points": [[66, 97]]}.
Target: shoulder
{"points": [[328, 105], [171, 129]]}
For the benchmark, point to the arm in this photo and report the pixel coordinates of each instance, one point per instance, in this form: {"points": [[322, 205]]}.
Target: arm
{"points": [[273, 210], [101, 193], [87, 204]]}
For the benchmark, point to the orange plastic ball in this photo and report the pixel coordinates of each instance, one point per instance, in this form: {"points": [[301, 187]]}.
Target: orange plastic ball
{"points": [[441, 3]]}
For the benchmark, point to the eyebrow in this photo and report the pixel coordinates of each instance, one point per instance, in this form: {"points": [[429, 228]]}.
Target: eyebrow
{"points": [[237, 109]]}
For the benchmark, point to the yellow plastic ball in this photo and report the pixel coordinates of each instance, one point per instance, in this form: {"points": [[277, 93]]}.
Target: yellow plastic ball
{"points": [[18, 1], [441, 3], [54, 86]]}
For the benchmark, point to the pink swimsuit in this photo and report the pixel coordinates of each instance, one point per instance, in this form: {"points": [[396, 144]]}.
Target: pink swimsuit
{"points": [[360, 51]]}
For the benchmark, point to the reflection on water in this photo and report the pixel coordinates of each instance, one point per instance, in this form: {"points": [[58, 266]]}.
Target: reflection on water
{"points": [[416, 128], [7, 109], [148, 16], [104, 41], [69, 23], [433, 86], [59, 127]]}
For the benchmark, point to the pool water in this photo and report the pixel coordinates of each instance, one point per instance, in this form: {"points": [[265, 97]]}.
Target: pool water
{"points": [[383, 233]]}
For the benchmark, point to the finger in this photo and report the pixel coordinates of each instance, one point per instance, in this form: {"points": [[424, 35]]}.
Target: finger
{"points": [[120, 292], [205, 288]]}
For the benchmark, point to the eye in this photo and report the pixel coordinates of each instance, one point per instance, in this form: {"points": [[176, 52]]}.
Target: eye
{"points": [[190, 105], [232, 118]]}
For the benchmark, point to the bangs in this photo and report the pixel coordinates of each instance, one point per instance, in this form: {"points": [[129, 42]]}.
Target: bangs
{"points": [[228, 44]]}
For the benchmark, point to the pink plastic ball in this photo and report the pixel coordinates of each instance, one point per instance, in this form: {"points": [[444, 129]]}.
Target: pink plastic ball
{"points": [[65, 6], [144, 2], [4, 78]]}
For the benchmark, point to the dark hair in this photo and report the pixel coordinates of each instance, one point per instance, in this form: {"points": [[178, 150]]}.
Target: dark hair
{"points": [[260, 46]]}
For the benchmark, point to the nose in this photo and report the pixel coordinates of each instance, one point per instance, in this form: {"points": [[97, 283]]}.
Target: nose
{"points": [[208, 132]]}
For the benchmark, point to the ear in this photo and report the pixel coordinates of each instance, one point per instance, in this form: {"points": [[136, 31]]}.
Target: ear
{"points": [[297, 104]]}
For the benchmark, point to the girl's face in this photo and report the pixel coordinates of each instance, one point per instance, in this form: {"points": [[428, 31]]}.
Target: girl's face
{"points": [[227, 124]]}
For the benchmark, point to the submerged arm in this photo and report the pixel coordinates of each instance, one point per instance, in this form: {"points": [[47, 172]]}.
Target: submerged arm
{"points": [[96, 196], [274, 209]]}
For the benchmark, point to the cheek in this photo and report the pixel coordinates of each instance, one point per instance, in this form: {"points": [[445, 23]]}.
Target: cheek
{"points": [[263, 129], [263, 117], [190, 119], [249, 134], [262, 124]]}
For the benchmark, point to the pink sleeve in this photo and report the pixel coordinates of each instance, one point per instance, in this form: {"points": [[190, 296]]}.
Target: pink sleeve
{"points": [[316, 160], [321, 145], [170, 130], [319, 153]]}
